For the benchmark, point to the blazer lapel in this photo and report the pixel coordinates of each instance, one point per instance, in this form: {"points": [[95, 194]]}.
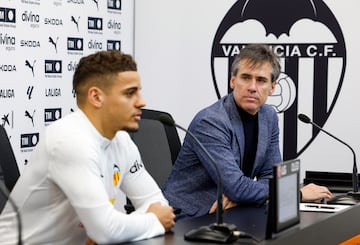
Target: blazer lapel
{"points": [[262, 142], [236, 124]]}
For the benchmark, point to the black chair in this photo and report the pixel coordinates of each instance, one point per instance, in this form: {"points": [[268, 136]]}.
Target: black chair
{"points": [[9, 171], [159, 145]]}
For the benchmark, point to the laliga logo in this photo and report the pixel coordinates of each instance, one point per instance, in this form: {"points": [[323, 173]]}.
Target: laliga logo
{"points": [[313, 66]]}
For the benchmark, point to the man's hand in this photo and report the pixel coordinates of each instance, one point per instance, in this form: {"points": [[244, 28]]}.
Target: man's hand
{"points": [[89, 242], [227, 203], [312, 192], [165, 214]]}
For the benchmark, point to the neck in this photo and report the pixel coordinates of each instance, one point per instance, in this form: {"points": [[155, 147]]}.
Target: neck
{"points": [[96, 120]]}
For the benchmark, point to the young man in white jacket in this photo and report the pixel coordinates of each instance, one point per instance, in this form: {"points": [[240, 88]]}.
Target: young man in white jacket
{"points": [[67, 191]]}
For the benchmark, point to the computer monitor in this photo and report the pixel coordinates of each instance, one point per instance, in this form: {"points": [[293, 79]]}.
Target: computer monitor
{"points": [[284, 198]]}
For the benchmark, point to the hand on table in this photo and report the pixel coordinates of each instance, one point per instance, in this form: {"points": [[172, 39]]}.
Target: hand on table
{"points": [[226, 203], [312, 192], [165, 214]]}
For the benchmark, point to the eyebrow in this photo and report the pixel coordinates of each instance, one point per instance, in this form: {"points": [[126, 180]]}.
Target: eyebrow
{"points": [[249, 75], [131, 89]]}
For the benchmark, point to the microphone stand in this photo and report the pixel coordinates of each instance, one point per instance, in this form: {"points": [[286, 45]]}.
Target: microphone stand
{"points": [[354, 195], [219, 231]]}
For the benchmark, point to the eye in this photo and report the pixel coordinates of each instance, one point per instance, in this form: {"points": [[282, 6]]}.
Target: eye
{"points": [[130, 92], [245, 77], [262, 80]]}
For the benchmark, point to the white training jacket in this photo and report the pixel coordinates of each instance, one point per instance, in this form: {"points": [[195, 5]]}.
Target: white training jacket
{"points": [[66, 191]]}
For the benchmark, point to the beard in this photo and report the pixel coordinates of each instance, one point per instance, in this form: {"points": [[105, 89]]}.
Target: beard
{"points": [[131, 129]]}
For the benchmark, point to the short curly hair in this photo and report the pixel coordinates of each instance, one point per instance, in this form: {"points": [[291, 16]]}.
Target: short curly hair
{"points": [[97, 70]]}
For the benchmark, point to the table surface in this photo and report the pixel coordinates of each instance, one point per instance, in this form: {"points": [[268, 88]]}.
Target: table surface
{"points": [[253, 221]]}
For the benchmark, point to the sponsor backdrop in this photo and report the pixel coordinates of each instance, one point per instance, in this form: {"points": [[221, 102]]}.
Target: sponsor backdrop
{"points": [[41, 43], [184, 49]]}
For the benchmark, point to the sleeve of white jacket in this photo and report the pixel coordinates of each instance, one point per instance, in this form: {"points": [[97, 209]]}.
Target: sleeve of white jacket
{"points": [[108, 229], [79, 178], [142, 190], [105, 224], [138, 184]]}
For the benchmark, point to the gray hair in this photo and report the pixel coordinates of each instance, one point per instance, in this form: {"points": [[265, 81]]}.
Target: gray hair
{"points": [[257, 54]]}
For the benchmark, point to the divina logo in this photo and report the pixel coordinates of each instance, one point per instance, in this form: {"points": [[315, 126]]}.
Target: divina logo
{"points": [[52, 114], [7, 15], [114, 25], [113, 45], [136, 167], [286, 31], [114, 4], [7, 40], [72, 65], [31, 18], [94, 44]]}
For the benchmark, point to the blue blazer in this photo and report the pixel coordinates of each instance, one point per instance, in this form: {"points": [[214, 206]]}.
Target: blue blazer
{"points": [[192, 183]]}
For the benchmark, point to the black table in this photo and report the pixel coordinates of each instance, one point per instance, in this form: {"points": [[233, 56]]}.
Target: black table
{"points": [[314, 227]]}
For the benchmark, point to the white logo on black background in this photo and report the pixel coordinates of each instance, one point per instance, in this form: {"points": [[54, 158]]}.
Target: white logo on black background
{"points": [[52, 114], [114, 4], [113, 45], [301, 54]]}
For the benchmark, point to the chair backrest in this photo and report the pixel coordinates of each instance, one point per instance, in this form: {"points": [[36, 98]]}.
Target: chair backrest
{"points": [[159, 144], [9, 171], [8, 166]]}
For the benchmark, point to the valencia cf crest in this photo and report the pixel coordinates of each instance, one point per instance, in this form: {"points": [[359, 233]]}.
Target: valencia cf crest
{"points": [[116, 175], [309, 40]]}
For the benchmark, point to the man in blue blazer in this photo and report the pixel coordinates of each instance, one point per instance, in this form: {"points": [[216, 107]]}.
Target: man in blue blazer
{"points": [[241, 133]]}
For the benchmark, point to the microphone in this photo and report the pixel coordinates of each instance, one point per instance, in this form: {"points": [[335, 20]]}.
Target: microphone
{"points": [[352, 197], [217, 232], [6, 194]]}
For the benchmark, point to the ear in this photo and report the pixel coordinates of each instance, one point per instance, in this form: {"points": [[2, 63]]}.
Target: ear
{"points": [[95, 96], [232, 82], [273, 85]]}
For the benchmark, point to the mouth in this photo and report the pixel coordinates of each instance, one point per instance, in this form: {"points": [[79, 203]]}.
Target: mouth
{"points": [[251, 98], [137, 116]]}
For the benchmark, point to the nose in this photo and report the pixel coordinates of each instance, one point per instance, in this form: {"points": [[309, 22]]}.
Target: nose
{"points": [[252, 85], [140, 103]]}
